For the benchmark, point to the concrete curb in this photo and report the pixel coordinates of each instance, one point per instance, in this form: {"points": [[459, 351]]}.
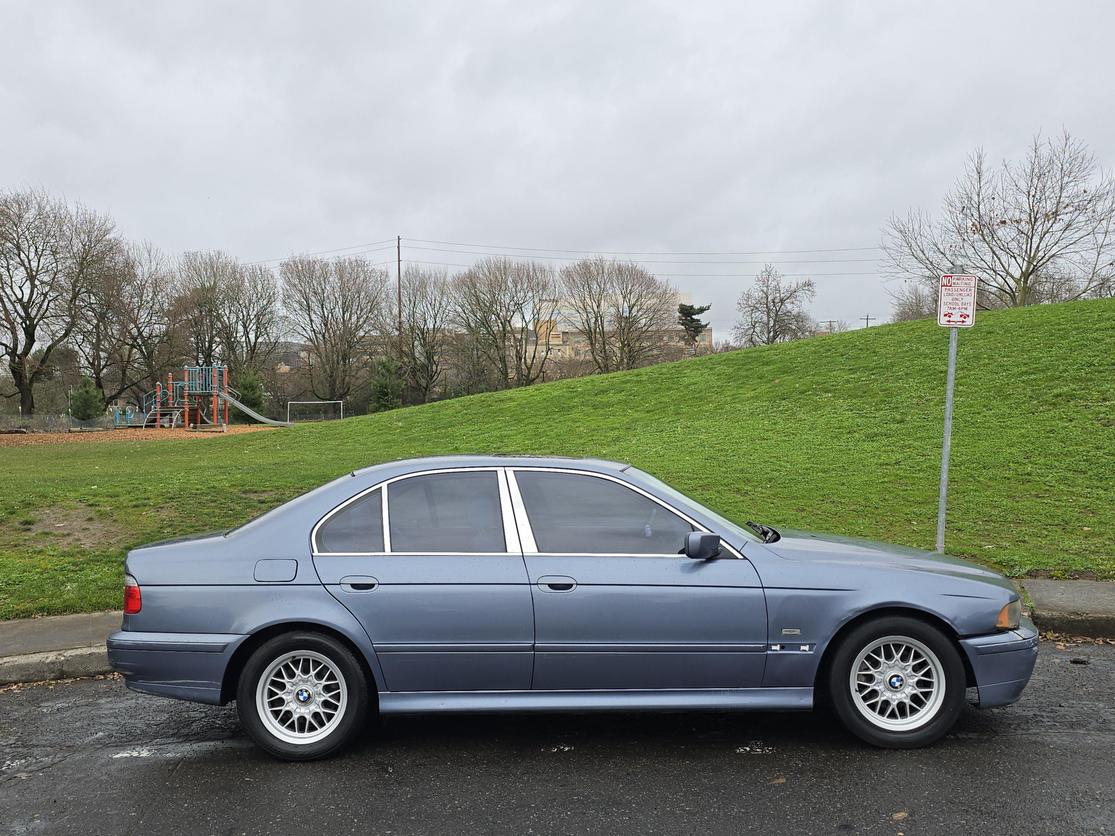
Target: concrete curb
{"points": [[1075, 608], [54, 664], [1087, 625]]}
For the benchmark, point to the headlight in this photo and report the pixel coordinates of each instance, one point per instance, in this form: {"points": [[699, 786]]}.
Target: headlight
{"points": [[1010, 615]]}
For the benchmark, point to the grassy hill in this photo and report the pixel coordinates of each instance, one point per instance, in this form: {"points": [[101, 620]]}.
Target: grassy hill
{"points": [[838, 433]]}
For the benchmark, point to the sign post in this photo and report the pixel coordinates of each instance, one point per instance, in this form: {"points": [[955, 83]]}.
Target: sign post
{"points": [[956, 308]]}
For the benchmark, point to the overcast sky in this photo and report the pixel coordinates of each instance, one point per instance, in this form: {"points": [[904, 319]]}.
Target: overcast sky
{"points": [[269, 128]]}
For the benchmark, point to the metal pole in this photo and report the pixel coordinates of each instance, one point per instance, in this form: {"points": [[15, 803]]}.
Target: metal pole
{"points": [[942, 499], [399, 291]]}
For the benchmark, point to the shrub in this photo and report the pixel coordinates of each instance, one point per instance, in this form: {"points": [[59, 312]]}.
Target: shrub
{"points": [[86, 401], [251, 391]]}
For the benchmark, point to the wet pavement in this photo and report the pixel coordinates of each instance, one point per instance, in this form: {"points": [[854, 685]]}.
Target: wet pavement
{"points": [[88, 756]]}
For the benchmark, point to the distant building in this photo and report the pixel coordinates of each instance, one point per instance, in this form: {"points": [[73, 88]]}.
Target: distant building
{"points": [[566, 343]]}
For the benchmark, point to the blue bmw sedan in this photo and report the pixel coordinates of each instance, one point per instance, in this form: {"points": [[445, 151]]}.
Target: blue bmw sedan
{"points": [[483, 584]]}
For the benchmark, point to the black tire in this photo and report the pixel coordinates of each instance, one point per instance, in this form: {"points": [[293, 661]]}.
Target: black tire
{"points": [[932, 720], [334, 733]]}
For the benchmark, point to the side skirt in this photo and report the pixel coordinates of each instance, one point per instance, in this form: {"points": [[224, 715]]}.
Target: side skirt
{"points": [[712, 699]]}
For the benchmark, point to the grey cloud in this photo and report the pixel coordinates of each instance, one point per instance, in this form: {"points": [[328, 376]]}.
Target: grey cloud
{"points": [[268, 128]]}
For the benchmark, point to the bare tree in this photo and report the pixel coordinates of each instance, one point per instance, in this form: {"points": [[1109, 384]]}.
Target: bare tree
{"points": [[620, 310], [501, 302], [204, 279], [335, 307], [145, 307], [772, 310], [48, 252], [427, 311], [101, 334], [914, 300], [249, 317], [1040, 229]]}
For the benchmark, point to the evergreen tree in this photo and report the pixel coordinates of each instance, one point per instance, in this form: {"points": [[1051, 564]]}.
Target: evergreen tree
{"points": [[387, 385], [87, 402], [251, 391], [688, 319]]}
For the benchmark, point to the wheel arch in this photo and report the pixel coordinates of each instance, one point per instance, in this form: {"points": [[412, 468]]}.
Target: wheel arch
{"points": [[255, 640], [821, 676]]}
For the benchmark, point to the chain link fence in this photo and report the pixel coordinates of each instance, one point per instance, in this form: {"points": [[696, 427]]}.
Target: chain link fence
{"points": [[52, 423]]}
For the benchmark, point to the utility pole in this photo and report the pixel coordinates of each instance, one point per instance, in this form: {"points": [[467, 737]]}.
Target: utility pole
{"points": [[399, 291], [868, 319], [831, 323]]}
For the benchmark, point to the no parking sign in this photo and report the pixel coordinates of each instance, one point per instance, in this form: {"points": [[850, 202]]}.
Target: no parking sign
{"points": [[956, 301]]}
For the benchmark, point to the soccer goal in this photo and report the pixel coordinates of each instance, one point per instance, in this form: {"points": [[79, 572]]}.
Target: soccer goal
{"points": [[301, 411]]}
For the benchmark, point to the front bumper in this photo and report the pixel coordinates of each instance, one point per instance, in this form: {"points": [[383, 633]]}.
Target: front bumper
{"points": [[1002, 663], [186, 666]]}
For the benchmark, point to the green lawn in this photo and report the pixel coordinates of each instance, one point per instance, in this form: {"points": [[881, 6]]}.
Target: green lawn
{"points": [[839, 433]]}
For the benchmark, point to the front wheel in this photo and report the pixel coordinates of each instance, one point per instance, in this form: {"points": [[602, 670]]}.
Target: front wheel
{"points": [[897, 682], [302, 696]]}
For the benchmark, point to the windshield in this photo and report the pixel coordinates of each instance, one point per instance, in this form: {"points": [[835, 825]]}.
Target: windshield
{"points": [[683, 500]]}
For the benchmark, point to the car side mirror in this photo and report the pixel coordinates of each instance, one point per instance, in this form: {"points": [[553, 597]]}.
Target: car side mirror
{"points": [[700, 545]]}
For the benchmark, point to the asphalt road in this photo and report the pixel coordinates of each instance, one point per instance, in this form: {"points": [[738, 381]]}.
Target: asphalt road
{"points": [[90, 757]]}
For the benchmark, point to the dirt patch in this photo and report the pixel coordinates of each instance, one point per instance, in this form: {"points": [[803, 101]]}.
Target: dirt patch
{"points": [[78, 526], [21, 440]]}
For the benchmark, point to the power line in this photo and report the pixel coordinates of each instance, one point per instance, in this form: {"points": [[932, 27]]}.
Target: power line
{"points": [[642, 252], [656, 261], [672, 275], [390, 241]]}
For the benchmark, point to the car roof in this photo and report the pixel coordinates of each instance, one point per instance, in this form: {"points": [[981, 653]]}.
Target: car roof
{"points": [[498, 460]]}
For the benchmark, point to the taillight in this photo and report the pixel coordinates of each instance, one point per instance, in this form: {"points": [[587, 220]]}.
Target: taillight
{"points": [[132, 600]]}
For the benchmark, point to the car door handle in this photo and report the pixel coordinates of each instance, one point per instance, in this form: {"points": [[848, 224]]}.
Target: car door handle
{"points": [[358, 583], [556, 583]]}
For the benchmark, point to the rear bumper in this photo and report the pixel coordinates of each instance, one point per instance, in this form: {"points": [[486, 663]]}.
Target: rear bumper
{"points": [[1002, 663], [185, 666]]}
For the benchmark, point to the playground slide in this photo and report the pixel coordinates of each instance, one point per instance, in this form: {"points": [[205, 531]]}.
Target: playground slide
{"points": [[251, 413]]}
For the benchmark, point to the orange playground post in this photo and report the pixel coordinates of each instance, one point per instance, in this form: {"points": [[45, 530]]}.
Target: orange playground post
{"points": [[214, 412]]}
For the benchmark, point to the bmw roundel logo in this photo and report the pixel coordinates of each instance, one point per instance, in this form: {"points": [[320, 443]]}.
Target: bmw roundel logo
{"points": [[303, 695], [896, 681]]}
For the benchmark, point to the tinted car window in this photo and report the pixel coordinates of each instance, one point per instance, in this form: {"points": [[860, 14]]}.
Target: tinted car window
{"points": [[582, 514], [357, 527], [446, 512]]}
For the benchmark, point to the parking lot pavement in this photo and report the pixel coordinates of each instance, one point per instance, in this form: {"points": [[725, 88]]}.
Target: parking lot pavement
{"points": [[88, 756]]}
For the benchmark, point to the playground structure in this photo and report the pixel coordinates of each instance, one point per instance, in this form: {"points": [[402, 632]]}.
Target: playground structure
{"points": [[199, 401]]}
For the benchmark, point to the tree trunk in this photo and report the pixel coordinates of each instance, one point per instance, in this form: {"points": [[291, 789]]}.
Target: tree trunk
{"points": [[26, 398]]}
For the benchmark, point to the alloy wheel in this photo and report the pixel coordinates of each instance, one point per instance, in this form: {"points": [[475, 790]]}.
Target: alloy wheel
{"points": [[301, 697], [897, 683]]}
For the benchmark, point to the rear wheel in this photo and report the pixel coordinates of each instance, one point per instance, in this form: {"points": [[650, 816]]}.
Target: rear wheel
{"points": [[897, 682], [302, 696]]}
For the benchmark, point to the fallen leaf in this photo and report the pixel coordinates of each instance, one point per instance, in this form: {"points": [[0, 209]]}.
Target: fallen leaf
{"points": [[901, 815], [780, 779]]}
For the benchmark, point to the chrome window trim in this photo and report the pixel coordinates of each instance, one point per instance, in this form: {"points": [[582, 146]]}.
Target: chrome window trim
{"points": [[526, 534], [510, 528], [510, 535]]}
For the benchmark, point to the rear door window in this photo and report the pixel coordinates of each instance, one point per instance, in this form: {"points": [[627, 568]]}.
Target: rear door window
{"points": [[446, 512]]}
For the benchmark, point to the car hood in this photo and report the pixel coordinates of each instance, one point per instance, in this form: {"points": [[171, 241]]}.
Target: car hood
{"points": [[832, 548]]}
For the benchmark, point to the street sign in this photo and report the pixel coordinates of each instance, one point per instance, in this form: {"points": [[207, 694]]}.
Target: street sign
{"points": [[956, 301], [956, 308]]}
